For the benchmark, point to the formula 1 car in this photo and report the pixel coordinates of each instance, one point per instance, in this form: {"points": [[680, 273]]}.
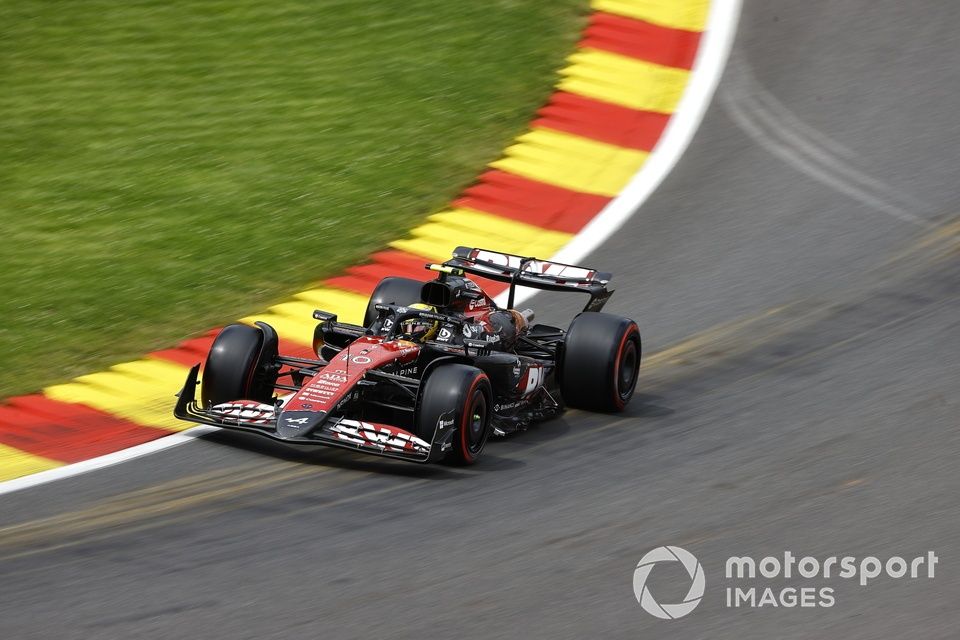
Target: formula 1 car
{"points": [[435, 370]]}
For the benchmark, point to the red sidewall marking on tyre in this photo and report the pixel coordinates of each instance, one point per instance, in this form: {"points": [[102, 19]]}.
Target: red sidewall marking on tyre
{"points": [[467, 418], [616, 367]]}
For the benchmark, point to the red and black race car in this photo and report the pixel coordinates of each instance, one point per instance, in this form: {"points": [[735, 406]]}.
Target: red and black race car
{"points": [[435, 370]]}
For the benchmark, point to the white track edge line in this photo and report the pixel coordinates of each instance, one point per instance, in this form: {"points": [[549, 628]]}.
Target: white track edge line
{"points": [[711, 58]]}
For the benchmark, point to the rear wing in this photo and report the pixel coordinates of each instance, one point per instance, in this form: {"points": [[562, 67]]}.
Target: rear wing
{"points": [[533, 273]]}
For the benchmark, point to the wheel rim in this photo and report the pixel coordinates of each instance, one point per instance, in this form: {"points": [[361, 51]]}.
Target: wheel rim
{"points": [[476, 421], [627, 370]]}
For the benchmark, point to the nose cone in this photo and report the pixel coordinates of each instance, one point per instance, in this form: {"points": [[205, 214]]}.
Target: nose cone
{"points": [[299, 424]]}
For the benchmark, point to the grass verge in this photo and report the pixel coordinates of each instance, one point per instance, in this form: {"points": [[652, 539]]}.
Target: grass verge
{"points": [[171, 166]]}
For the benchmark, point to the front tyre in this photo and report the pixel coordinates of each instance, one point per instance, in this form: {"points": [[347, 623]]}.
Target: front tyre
{"points": [[600, 362], [463, 393], [241, 365]]}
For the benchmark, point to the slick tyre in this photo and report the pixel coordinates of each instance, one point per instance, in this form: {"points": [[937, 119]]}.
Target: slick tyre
{"points": [[600, 362], [392, 290], [240, 365], [463, 393]]}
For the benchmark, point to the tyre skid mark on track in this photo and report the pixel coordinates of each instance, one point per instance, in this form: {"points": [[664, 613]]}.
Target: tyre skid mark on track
{"points": [[107, 519], [185, 510], [777, 130]]}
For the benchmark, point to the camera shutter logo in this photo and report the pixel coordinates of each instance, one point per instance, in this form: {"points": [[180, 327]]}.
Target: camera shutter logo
{"points": [[694, 594]]}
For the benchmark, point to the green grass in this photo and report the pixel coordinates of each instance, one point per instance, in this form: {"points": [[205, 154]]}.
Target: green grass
{"points": [[169, 166]]}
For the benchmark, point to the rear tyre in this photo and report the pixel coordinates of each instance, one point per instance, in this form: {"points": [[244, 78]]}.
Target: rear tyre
{"points": [[463, 392], [241, 365], [392, 290], [600, 362]]}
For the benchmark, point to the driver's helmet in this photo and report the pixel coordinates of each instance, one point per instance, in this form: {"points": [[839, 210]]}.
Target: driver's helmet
{"points": [[419, 329]]}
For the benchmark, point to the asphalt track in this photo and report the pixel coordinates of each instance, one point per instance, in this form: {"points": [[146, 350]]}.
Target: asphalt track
{"points": [[796, 279]]}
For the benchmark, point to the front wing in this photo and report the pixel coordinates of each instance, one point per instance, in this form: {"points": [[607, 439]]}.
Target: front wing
{"points": [[336, 431]]}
